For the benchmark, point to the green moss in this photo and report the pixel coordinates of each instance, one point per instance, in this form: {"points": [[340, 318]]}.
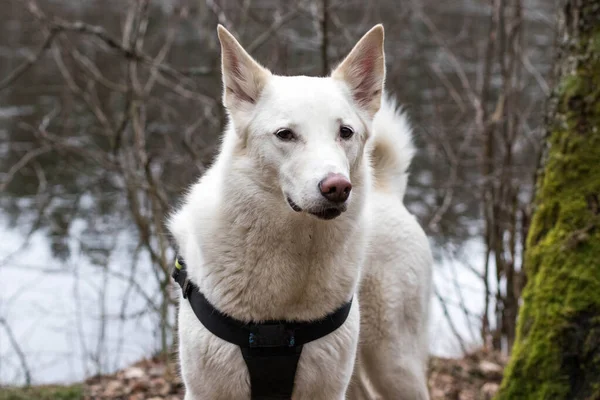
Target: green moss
{"points": [[557, 352], [42, 393], [570, 86], [595, 43]]}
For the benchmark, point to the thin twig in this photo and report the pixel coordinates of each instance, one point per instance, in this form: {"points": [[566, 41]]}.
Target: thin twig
{"points": [[16, 167], [21, 69], [15, 344], [450, 321]]}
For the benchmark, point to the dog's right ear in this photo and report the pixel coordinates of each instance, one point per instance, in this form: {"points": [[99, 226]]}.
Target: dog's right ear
{"points": [[243, 78]]}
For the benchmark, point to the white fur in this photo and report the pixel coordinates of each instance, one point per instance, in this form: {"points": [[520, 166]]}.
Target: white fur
{"points": [[255, 258], [392, 148]]}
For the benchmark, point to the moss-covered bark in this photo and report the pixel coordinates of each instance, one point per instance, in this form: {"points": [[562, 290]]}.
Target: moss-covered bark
{"points": [[557, 352]]}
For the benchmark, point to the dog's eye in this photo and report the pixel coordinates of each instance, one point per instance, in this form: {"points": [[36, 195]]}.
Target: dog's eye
{"points": [[285, 134], [346, 132]]}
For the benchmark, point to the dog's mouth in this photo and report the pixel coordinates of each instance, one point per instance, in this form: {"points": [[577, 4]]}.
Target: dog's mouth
{"points": [[325, 213], [294, 206]]}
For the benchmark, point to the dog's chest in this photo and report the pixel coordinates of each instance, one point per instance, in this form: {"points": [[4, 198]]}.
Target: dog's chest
{"points": [[278, 271]]}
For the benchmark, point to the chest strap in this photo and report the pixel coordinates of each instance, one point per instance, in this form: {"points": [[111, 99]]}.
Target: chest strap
{"points": [[271, 349]]}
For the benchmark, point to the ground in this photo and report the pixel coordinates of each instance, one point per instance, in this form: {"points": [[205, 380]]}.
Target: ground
{"points": [[475, 377], [52, 392]]}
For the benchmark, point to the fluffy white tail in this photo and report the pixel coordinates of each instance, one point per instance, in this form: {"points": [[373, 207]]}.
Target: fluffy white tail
{"points": [[392, 148]]}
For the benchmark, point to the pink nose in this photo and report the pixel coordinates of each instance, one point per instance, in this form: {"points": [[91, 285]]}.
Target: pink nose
{"points": [[335, 188]]}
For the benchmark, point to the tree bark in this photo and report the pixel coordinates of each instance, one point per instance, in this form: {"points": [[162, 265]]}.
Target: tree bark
{"points": [[557, 350]]}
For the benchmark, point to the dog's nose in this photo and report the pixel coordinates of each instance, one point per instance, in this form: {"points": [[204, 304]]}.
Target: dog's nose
{"points": [[335, 188]]}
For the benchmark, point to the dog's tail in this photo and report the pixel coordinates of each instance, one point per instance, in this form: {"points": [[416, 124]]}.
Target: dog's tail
{"points": [[392, 148]]}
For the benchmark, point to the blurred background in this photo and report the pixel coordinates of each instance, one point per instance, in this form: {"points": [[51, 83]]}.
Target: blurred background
{"points": [[109, 109]]}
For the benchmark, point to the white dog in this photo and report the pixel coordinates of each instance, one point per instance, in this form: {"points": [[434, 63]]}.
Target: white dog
{"points": [[301, 211]]}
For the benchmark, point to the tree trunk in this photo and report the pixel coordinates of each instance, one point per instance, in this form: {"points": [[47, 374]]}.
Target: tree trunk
{"points": [[557, 351]]}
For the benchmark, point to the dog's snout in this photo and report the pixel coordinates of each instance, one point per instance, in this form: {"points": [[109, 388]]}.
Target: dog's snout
{"points": [[335, 188]]}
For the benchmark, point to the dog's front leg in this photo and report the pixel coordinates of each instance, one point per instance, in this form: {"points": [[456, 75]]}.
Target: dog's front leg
{"points": [[211, 368], [326, 365]]}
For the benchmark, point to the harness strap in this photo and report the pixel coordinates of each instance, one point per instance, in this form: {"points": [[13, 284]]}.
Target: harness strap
{"points": [[271, 349], [272, 371]]}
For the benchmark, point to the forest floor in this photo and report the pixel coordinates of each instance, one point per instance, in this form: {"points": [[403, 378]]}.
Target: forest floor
{"points": [[474, 377]]}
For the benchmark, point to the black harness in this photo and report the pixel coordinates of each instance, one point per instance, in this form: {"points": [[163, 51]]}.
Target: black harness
{"points": [[270, 349]]}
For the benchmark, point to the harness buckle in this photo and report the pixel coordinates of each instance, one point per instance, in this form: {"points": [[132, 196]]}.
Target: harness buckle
{"points": [[180, 274], [186, 287], [271, 336]]}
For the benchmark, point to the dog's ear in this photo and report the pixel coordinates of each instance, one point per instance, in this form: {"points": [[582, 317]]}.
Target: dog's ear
{"points": [[363, 70], [243, 78]]}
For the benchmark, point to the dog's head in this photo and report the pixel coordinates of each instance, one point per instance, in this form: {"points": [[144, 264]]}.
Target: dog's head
{"points": [[306, 135]]}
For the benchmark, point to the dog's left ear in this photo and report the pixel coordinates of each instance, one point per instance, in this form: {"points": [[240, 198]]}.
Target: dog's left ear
{"points": [[363, 70], [243, 78]]}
